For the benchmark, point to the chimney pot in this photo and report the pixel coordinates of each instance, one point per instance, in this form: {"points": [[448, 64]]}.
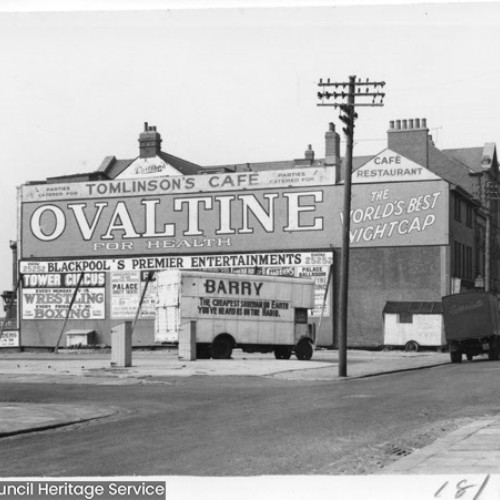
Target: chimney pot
{"points": [[391, 124], [398, 124], [145, 126], [424, 122], [405, 124], [331, 127], [417, 122], [410, 124]]}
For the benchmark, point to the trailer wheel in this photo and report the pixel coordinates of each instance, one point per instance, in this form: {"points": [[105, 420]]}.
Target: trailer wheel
{"points": [[470, 356], [304, 350], [493, 353], [222, 347], [412, 346], [283, 352], [456, 356]]}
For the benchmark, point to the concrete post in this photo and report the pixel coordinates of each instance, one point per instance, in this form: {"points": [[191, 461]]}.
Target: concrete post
{"points": [[121, 345]]}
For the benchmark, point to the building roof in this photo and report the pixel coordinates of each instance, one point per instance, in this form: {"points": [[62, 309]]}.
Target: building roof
{"points": [[413, 308], [450, 169], [457, 166], [471, 157], [183, 166], [260, 166], [111, 167]]}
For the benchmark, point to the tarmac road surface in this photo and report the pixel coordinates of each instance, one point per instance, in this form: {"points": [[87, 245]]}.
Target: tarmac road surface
{"points": [[239, 425]]}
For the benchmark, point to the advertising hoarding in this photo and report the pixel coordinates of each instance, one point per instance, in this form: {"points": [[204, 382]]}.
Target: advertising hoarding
{"points": [[399, 214], [127, 276], [179, 214], [49, 295], [9, 338], [306, 214]]}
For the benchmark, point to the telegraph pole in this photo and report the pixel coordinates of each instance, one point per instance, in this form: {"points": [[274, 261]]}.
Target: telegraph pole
{"points": [[346, 102]]}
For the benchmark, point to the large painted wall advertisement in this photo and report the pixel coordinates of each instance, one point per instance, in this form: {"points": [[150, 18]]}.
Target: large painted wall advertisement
{"points": [[277, 223], [399, 214], [280, 210]]}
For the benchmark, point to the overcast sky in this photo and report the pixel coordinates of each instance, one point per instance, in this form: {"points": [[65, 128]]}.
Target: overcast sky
{"points": [[232, 85]]}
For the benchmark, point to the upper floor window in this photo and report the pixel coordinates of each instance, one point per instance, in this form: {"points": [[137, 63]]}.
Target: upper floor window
{"points": [[458, 208], [468, 215]]}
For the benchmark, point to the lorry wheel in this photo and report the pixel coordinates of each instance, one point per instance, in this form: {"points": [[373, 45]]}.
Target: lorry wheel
{"points": [[412, 346], [456, 356], [304, 350], [222, 348], [283, 352], [470, 356], [493, 353]]}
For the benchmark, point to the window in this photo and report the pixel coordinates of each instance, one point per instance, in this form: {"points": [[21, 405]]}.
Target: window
{"points": [[468, 215], [457, 259], [300, 316], [406, 318], [468, 263], [458, 208]]}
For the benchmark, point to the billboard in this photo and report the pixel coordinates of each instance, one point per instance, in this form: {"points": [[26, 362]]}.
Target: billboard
{"points": [[49, 295], [399, 214], [128, 277], [284, 210], [176, 214], [9, 338]]}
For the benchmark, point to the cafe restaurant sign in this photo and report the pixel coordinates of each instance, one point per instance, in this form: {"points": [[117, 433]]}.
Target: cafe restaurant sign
{"points": [[389, 166]]}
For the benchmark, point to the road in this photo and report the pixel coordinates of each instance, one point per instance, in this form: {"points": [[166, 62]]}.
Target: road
{"points": [[219, 426]]}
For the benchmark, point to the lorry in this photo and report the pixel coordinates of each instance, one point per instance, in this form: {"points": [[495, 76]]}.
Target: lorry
{"points": [[255, 313], [471, 325]]}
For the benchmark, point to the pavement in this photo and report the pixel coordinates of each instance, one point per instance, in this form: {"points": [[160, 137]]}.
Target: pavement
{"points": [[472, 448]]}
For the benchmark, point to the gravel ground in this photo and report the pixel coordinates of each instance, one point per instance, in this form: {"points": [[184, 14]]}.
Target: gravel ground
{"points": [[372, 459]]}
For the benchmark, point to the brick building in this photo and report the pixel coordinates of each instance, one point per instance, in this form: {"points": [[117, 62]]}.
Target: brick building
{"points": [[424, 224]]}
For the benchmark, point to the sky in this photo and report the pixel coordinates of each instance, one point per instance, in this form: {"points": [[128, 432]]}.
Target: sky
{"points": [[232, 85]]}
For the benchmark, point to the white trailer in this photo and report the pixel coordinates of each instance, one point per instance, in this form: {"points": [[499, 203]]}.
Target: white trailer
{"points": [[252, 312], [413, 325]]}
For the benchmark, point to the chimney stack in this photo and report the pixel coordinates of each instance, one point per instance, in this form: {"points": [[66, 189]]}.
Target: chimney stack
{"points": [[332, 150], [309, 154], [411, 139], [149, 142]]}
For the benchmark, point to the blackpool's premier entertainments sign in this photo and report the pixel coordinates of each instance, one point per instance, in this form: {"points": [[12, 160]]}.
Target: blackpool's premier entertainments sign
{"points": [[214, 213], [48, 286]]}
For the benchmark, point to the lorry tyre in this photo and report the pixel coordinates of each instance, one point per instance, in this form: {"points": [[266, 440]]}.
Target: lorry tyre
{"points": [[412, 346], [469, 356], [456, 356], [222, 347], [493, 353], [283, 352], [304, 350]]}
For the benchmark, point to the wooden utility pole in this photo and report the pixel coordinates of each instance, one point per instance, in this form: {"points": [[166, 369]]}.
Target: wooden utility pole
{"points": [[356, 90]]}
